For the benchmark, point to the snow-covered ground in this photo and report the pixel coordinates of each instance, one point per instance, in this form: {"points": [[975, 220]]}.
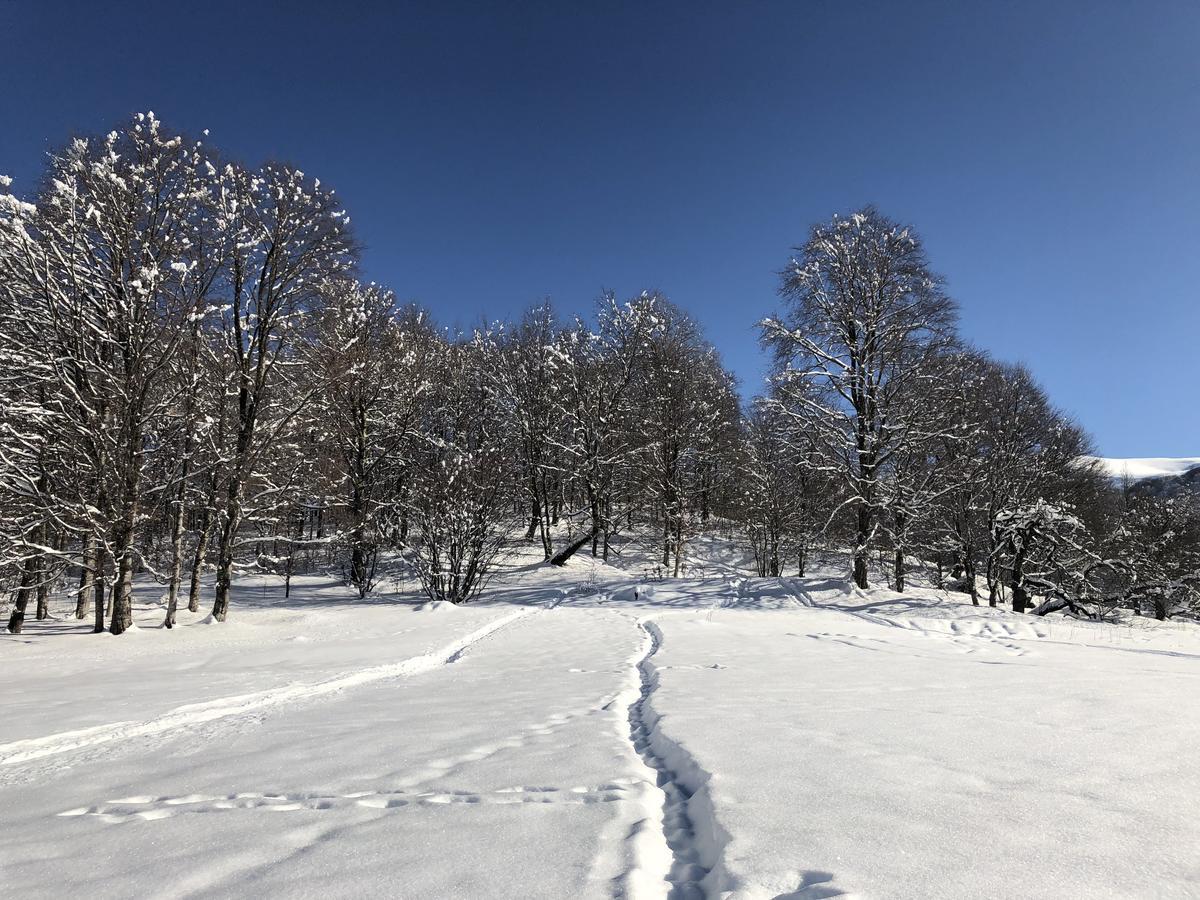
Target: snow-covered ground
{"points": [[1140, 468], [586, 733]]}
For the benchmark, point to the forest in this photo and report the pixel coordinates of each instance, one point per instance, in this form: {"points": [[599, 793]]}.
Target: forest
{"points": [[197, 382]]}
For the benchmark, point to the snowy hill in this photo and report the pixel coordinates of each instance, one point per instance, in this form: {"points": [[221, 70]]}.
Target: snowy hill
{"points": [[590, 733], [1140, 468]]}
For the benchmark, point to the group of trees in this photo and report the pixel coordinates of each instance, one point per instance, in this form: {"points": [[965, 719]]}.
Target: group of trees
{"points": [[194, 380], [930, 450]]}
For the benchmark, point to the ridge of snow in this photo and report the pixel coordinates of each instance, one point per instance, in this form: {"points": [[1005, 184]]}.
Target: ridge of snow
{"points": [[194, 713]]}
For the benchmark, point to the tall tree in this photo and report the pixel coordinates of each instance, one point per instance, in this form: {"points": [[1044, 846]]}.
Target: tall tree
{"points": [[866, 313], [373, 366], [284, 236], [109, 265], [686, 401], [465, 477], [597, 372]]}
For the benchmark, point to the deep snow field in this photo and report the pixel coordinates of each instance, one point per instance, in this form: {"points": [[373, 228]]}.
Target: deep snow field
{"points": [[588, 733]]}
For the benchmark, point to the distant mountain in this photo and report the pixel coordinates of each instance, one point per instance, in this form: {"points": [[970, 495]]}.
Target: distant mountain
{"points": [[1155, 475], [1142, 468]]}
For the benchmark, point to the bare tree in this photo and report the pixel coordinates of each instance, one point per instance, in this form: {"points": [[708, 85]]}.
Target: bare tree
{"points": [[866, 313], [522, 369], [106, 264], [466, 478], [686, 400], [372, 366], [285, 237], [597, 373], [781, 491]]}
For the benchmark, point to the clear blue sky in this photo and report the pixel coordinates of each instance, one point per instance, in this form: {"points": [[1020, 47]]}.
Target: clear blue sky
{"points": [[494, 155]]}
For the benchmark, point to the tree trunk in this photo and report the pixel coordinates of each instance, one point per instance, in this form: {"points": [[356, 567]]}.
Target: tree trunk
{"points": [[358, 537], [122, 593], [993, 580], [198, 557], [901, 521], [666, 545], [546, 521], [1020, 597], [87, 579], [176, 562], [358, 564], [101, 561], [229, 530], [43, 594], [535, 507], [43, 576], [1056, 603], [287, 578], [225, 558], [861, 537], [560, 558], [28, 579], [678, 543], [122, 602]]}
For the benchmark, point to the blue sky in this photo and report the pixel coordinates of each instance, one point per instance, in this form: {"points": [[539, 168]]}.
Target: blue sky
{"points": [[491, 156]]}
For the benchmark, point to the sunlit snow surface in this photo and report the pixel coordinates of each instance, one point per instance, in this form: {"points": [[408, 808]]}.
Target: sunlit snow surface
{"points": [[717, 735]]}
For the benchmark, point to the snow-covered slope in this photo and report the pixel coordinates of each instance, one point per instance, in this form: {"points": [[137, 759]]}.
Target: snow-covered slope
{"points": [[1139, 468], [587, 733]]}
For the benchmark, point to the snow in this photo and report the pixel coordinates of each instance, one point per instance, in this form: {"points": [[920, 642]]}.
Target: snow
{"points": [[583, 733], [916, 751], [1139, 468]]}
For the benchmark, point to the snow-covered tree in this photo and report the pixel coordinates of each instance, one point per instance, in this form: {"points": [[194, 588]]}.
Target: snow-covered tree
{"points": [[113, 263], [687, 401], [597, 372], [523, 370], [372, 366], [781, 491], [465, 478], [1037, 546], [284, 237], [1156, 551], [866, 316]]}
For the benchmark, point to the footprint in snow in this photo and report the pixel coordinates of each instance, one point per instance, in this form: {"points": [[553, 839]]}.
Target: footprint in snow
{"points": [[132, 809]]}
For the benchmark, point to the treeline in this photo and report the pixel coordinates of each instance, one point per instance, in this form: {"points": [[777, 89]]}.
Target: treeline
{"points": [[194, 379]]}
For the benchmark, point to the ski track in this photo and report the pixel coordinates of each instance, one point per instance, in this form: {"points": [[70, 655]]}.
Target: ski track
{"points": [[689, 865], [242, 705]]}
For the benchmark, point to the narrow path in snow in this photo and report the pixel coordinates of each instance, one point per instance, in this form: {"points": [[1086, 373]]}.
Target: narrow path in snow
{"points": [[687, 871], [194, 714]]}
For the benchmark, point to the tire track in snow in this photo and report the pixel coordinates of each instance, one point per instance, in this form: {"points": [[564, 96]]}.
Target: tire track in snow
{"points": [[23, 751], [687, 858]]}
